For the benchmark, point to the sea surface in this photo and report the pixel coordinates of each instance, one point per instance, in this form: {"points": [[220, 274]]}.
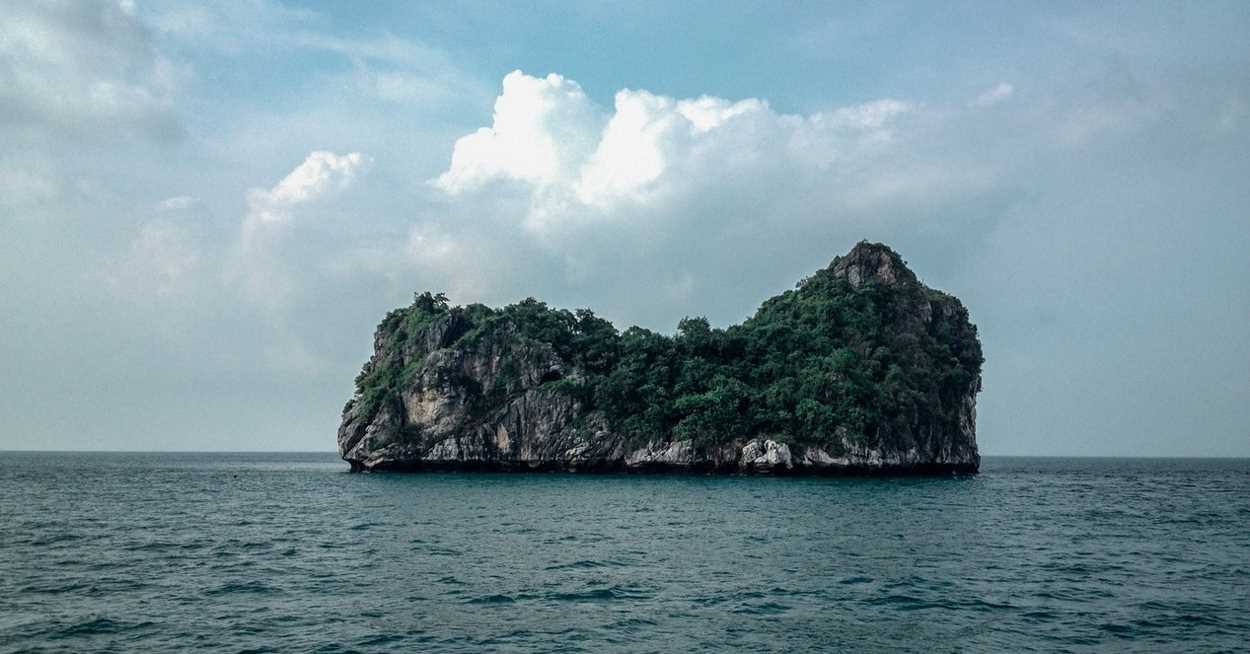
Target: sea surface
{"points": [[290, 553]]}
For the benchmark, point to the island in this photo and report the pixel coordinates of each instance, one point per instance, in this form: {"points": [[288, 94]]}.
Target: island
{"points": [[860, 369]]}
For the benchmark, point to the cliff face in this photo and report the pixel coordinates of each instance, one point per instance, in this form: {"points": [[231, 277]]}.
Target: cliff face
{"points": [[483, 404], [860, 370]]}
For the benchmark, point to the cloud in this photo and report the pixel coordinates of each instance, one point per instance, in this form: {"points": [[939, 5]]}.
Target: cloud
{"points": [[1000, 93], [580, 162], [267, 272], [82, 65], [159, 264], [21, 186], [177, 203], [547, 133], [320, 173], [258, 268], [646, 136], [543, 129], [383, 66], [562, 196], [868, 116]]}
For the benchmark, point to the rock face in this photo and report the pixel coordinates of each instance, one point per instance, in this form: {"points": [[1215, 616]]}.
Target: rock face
{"points": [[890, 386]]}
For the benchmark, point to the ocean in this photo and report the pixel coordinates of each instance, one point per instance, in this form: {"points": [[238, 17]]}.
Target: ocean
{"points": [[290, 553]]}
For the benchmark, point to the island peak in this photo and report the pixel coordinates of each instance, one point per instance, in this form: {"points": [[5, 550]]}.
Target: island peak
{"points": [[872, 263]]}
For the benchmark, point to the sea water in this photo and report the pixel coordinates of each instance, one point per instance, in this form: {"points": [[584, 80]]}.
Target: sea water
{"points": [[290, 553]]}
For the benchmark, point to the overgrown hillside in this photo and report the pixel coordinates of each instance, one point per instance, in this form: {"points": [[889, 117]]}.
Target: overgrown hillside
{"points": [[859, 356]]}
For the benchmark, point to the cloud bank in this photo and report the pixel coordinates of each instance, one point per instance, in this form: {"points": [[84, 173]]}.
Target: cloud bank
{"points": [[549, 136], [79, 65], [667, 193]]}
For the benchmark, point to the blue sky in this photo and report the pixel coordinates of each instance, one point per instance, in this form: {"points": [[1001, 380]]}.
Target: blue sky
{"points": [[205, 209]]}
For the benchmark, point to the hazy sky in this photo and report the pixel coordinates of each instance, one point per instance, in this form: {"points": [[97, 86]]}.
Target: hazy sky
{"points": [[206, 208]]}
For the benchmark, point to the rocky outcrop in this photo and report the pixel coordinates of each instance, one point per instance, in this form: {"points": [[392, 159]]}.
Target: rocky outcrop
{"points": [[468, 388]]}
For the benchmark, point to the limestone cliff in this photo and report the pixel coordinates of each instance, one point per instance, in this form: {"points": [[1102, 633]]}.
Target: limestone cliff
{"points": [[859, 370]]}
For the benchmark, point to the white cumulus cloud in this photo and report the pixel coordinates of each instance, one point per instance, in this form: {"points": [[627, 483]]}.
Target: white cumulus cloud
{"points": [[258, 266], [580, 161], [580, 201], [543, 128], [320, 173]]}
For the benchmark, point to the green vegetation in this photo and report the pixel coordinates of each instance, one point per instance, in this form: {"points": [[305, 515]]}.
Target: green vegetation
{"points": [[823, 364]]}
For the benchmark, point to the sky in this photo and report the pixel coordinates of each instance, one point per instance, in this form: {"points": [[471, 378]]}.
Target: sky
{"points": [[206, 208]]}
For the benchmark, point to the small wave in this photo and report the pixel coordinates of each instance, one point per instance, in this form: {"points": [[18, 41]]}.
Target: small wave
{"points": [[750, 595], [987, 605], [1119, 630], [584, 564], [380, 639], [54, 588], [634, 622], [242, 587], [709, 601], [1198, 619], [903, 602], [491, 599], [764, 608], [609, 594], [53, 539], [514, 636], [97, 626], [152, 546], [1168, 616], [235, 546]]}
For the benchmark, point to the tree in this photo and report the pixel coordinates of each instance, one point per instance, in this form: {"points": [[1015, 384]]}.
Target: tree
{"points": [[427, 302]]}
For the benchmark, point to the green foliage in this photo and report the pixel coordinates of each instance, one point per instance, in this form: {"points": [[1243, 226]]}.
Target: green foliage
{"points": [[429, 303], [824, 364]]}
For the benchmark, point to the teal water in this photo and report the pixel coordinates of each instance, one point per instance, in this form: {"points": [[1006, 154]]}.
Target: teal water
{"points": [[288, 552]]}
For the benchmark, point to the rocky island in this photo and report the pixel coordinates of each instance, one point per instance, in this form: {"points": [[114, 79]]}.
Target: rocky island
{"points": [[861, 369]]}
